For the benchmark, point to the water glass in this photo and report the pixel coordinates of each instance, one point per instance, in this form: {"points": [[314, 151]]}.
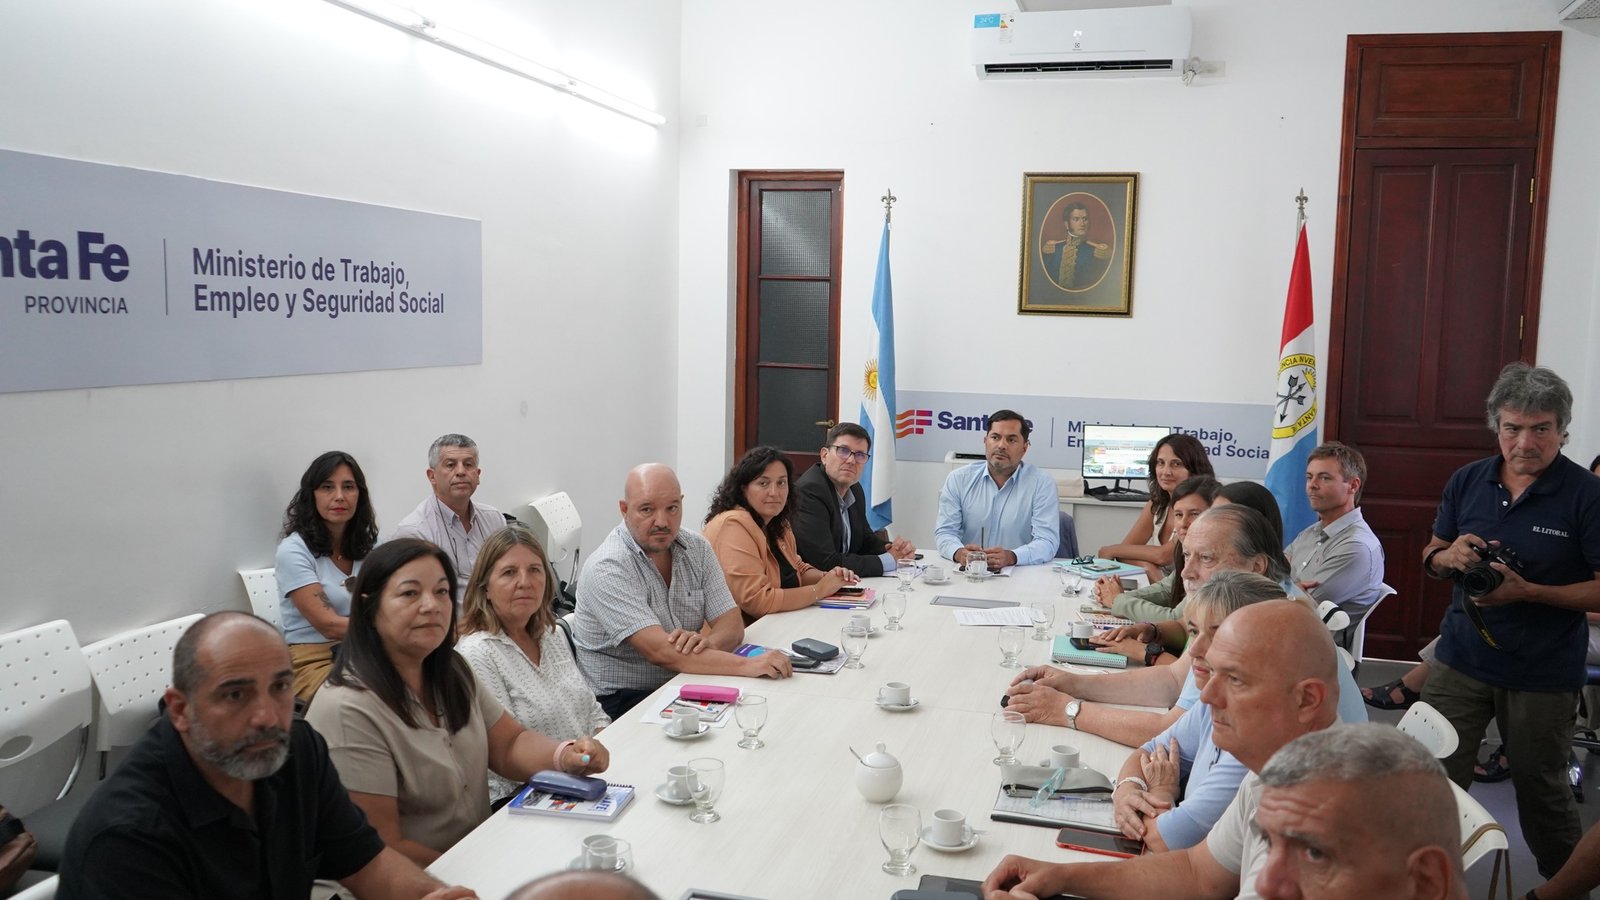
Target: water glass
{"points": [[1011, 638], [705, 787], [977, 565], [906, 571], [1043, 615], [1006, 728], [1071, 582], [751, 715], [900, 829], [894, 606], [853, 638]]}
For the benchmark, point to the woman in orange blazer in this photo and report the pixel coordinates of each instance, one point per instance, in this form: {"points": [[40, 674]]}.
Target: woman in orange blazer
{"points": [[748, 527]]}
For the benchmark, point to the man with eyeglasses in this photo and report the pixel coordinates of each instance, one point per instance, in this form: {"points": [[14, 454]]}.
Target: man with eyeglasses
{"points": [[830, 523], [1001, 506], [1515, 652]]}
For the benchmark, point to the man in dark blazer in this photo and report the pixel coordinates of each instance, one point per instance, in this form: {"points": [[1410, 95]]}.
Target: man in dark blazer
{"points": [[830, 523]]}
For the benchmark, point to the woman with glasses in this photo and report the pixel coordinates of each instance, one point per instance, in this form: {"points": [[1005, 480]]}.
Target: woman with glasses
{"points": [[748, 527], [328, 528]]}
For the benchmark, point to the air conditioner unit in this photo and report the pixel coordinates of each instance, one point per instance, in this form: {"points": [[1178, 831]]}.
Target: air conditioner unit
{"points": [[1078, 43]]}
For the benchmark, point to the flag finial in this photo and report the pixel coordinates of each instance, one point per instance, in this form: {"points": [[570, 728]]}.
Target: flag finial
{"points": [[1300, 202], [888, 199]]}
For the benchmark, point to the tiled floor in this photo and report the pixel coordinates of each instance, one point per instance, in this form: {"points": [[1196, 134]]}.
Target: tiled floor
{"points": [[1499, 799]]}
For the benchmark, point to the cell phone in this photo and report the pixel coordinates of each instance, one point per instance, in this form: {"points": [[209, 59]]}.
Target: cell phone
{"points": [[917, 556], [1084, 644], [965, 887], [1070, 838], [804, 662], [850, 591]]}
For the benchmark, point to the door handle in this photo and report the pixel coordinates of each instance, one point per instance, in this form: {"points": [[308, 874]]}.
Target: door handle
{"points": [[826, 423]]}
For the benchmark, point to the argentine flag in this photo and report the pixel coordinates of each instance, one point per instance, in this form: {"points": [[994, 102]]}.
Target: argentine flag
{"points": [[1294, 415], [878, 399]]}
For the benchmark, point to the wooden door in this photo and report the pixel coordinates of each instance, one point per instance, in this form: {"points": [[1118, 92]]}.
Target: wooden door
{"points": [[1436, 274], [786, 379]]}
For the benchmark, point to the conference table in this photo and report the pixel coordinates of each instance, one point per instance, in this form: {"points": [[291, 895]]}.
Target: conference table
{"points": [[793, 824]]}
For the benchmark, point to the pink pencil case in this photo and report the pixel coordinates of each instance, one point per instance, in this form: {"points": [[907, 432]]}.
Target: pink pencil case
{"points": [[711, 692]]}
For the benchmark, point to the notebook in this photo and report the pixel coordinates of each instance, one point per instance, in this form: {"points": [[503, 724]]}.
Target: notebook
{"points": [[1100, 567], [533, 802], [1064, 652], [1093, 813]]}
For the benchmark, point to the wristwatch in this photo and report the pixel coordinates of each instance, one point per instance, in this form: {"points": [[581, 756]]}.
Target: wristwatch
{"points": [[1152, 652], [1073, 708]]}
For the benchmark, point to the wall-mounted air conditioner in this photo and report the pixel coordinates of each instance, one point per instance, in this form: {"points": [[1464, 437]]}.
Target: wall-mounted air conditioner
{"points": [[1078, 43]]}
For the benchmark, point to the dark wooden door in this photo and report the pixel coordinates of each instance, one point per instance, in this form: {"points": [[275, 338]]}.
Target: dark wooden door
{"points": [[786, 379], [1437, 260]]}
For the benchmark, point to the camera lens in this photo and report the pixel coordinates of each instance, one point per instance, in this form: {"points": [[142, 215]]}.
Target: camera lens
{"points": [[1480, 580]]}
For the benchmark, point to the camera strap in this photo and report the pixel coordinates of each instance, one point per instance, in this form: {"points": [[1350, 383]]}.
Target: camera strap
{"points": [[1476, 615]]}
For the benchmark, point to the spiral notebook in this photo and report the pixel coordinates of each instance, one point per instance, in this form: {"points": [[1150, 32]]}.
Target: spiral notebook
{"points": [[531, 801]]}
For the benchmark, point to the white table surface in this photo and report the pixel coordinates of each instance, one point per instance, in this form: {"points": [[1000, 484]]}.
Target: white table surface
{"points": [[793, 824]]}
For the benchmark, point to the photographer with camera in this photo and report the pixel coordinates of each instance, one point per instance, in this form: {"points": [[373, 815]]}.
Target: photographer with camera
{"points": [[1519, 534]]}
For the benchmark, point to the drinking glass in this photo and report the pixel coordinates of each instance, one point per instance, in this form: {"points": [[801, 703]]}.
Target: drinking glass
{"points": [[894, 606], [906, 571], [1011, 638], [1006, 727], [751, 714], [853, 638], [1071, 582], [977, 565], [1043, 615], [900, 829], [705, 786]]}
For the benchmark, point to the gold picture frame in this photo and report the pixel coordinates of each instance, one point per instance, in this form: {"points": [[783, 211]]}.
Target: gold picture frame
{"points": [[1096, 215]]}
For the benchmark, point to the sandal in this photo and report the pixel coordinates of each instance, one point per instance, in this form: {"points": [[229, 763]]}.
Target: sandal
{"points": [[1382, 697], [1497, 769]]}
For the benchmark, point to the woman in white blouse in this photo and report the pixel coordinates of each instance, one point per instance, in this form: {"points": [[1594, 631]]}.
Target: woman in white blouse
{"points": [[510, 638]]}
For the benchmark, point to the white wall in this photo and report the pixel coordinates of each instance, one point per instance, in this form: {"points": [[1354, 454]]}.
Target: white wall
{"points": [[127, 505], [884, 90]]}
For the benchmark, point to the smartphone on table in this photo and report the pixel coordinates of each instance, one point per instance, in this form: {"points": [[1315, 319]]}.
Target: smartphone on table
{"points": [[1070, 838]]}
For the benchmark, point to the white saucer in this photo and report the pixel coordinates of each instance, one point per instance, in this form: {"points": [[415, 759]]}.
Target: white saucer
{"points": [[896, 707], [944, 580], [704, 728], [664, 797], [972, 840], [578, 864], [973, 577]]}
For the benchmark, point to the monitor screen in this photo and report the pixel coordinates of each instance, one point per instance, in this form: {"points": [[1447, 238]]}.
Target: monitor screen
{"points": [[1120, 451]]}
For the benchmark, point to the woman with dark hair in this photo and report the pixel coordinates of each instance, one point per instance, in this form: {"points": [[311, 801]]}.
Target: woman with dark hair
{"points": [[328, 529], [509, 636], [408, 727], [748, 527], [1258, 498], [1155, 602], [1149, 542]]}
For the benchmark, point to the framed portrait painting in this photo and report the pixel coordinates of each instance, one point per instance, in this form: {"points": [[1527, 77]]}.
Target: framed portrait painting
{"points": [[1077, 243]]}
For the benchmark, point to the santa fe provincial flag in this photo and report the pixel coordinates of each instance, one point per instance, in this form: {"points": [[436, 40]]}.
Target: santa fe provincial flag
{"points": [[1294, 416], [877, 397]]}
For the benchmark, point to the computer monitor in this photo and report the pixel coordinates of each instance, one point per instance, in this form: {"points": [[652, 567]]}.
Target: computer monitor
{"points": [[1120, 451]]}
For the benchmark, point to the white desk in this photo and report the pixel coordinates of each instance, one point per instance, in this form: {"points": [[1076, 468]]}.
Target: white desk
{"points": [[793, 824]]}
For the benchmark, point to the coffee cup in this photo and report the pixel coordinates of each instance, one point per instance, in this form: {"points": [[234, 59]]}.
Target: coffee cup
{"points": [[895, 693], [684, 721], [1083, 630], [862, 621], [933, 574], [1064, 756], [678, 782], [606, 853], [949, 827]]}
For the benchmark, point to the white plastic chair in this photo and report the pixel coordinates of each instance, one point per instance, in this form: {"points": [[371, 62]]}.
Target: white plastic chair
{"points": [[44, 890], [563, 528], [1481, 835], [262, 586], [1345, 657], [45, 695], [1332, 616], [1431, 729], [1357, 637], [131, 671]]}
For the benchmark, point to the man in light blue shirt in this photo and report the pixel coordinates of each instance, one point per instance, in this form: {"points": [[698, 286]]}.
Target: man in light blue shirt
{"points": [[1009, 510]]}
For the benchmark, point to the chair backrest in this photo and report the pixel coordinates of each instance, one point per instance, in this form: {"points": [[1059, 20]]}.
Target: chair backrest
{"points": [[44, 890], [1431, 729], [1481, 835], [563, 526], [1335, 618], [262, 586], [46, 694], [1357, 636], [1068, 548], [1345, 657], [131, 671]]}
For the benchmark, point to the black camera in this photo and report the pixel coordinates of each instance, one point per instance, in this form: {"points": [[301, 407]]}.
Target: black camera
{"points": [[1479, 578]]}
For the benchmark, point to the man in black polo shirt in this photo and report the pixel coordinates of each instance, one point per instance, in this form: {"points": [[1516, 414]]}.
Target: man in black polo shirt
{"points": [[228, 795], [830, 521], [1516, 652]]}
